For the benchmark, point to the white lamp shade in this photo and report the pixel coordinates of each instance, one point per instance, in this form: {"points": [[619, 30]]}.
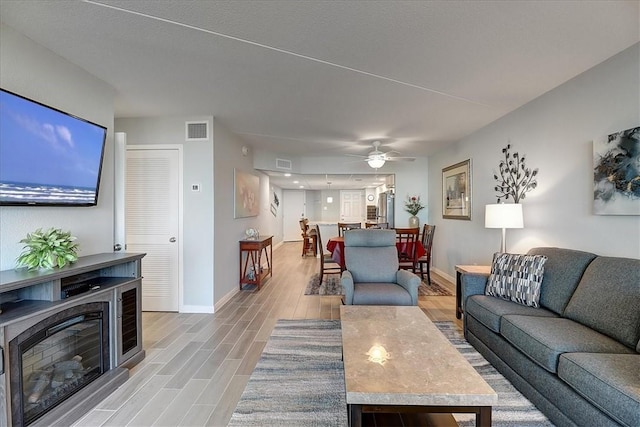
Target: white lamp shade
{"points": [[503, 216], [376, 162]]}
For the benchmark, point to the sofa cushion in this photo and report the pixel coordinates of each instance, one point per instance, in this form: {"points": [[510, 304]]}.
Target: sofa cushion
{"points": [[544, 339], [380, 293], [609, 381], [562, 272], [516, 278], [489, 310], [608, 297]]}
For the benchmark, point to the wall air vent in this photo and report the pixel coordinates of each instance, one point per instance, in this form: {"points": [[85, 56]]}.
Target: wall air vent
{"points": [[197, 131], [283, 164]]}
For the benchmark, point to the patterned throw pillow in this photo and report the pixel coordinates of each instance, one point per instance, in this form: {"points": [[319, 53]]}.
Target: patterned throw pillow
{"points": [[517, 278]]}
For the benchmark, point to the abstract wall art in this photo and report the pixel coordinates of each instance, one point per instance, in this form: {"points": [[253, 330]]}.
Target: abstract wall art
{"points": [[616, 173], [247, 191]]}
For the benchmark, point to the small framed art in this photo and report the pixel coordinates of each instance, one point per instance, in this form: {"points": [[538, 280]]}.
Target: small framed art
{"points": [[456, 191], [247, 187]]}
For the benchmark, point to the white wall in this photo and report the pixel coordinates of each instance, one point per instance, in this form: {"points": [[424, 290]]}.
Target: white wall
{"points": [[31, 70], [198, 233], [555, 131]]}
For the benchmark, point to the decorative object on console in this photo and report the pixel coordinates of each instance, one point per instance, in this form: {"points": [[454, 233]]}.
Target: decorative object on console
{"points": [[516, 278], [502, 215], [616, 173], [48, 249], [456, 191], [515, 178], [413, 205], [252, 233]]}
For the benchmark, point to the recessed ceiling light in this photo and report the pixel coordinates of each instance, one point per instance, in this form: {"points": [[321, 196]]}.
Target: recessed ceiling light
{"points": [[302, 186], [287, 174], [295, 182]]}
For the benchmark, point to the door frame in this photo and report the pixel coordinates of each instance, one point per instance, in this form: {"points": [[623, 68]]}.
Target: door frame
{"points": [[179, 149]]}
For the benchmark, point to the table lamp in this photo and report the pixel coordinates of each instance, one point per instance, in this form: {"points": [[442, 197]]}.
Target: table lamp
{"points": [[503, 216]]}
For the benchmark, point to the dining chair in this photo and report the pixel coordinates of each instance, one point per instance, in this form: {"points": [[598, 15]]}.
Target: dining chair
{"points": [[407, 243], [345, 226], [379, 225], [427, 241], [327, 264], [309, 243]]}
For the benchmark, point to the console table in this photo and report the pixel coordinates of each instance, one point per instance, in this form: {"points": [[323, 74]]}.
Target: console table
{"points": [[478, 270], [252, 272]]}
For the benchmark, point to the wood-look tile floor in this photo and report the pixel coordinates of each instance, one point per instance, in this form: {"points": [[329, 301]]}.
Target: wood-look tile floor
{"points": [[197, 365]]}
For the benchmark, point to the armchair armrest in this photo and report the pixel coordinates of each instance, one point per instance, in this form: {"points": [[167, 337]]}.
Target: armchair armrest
{"points": [[346, 279], [410, 282]]}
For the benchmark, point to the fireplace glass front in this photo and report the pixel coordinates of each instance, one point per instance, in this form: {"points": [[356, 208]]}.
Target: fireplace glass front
{"points": [[57, 358]]}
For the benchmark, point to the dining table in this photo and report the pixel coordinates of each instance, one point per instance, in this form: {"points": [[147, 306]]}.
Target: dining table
{"points": [[335, 245]]}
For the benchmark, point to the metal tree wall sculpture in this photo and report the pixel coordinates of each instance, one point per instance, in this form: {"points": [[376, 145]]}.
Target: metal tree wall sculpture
{"points": [[515, 178]]}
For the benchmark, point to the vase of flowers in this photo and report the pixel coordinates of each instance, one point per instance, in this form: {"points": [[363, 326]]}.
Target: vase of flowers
{"points": [[413, 205]]}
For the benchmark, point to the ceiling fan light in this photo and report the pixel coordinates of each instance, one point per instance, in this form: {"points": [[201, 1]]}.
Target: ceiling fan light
{"points": [[376, 162]]}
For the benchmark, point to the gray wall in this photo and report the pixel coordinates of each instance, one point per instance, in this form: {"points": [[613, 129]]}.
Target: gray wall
{"points": [[555, 131], [35, 72], [228, 230], [197, 206]]}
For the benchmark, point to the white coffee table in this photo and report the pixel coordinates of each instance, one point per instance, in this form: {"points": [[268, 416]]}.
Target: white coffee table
{"points": [[423, 371]]}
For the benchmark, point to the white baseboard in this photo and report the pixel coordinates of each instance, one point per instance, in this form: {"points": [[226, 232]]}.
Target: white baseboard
{"points": [[206, 309], [443, 275], [450, 279], [225, 299]]}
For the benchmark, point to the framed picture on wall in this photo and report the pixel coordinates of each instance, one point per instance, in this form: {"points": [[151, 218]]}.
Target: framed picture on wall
{"points": [[616, 173], [246, 194], [456, 191]]}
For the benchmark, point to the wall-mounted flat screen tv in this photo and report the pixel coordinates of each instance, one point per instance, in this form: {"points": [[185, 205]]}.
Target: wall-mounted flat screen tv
{"points": [[47, 157]]}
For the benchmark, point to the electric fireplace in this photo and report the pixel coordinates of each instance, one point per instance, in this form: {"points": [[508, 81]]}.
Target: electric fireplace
{"points": [[56, 358]]}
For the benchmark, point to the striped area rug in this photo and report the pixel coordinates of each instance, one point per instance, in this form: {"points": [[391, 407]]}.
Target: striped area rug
{"points": [[299, 381], [513, 409]]}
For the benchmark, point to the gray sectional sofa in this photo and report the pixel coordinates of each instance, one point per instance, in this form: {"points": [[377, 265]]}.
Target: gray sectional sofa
{"points": [[577, 356]]}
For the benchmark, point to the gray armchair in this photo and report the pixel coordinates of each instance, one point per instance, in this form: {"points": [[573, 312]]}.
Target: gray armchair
{"points": [[372, 276]]}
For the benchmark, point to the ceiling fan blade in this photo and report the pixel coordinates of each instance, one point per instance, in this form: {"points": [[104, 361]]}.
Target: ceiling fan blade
{"points": [[401, 159], [357, 155]]}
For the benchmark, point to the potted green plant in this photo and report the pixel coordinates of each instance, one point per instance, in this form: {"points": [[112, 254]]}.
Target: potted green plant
{"points": [[48, 249]]}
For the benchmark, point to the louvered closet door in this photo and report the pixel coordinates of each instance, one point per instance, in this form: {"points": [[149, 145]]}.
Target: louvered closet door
{"points": [[152, 223]]}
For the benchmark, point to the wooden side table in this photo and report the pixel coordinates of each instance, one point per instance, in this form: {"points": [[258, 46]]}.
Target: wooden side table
{"points": [[477, 270], [251, 269]]}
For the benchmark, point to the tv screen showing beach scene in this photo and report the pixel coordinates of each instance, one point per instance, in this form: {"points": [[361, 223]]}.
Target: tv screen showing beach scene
{"points": [[47, 157]]}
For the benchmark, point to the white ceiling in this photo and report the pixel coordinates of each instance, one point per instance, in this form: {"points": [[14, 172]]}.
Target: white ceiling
{"points": [[320, 78]]}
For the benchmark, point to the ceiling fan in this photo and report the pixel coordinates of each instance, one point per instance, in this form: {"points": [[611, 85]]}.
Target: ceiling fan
{"points": [[376, 159]]}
